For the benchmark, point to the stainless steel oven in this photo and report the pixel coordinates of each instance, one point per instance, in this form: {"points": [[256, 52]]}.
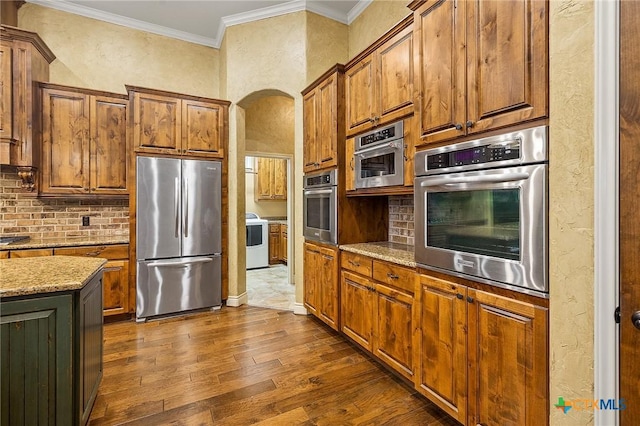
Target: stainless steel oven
{"points": [[321, 207], [481, 210], [379, 157]]}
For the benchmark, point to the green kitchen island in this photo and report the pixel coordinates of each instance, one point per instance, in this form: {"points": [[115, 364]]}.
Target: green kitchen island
{"points": [[50, 339]]}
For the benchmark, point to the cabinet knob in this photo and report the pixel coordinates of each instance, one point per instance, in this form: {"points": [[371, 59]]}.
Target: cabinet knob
{"points": [[392, 276], [459, 296], [458, 126], [469, 124], [469, 299], [86, 189], [635, 319]]}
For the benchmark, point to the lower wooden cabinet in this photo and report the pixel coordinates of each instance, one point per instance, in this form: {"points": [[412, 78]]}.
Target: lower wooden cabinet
{"points": [[274, 243], [51, 358], [17, 254], [377, 309], [482, 357], [283, 242], [321, 287]]}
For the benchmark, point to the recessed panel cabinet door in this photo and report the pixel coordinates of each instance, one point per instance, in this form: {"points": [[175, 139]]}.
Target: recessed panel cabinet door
{"points": [[157, 125], [279, 179], [395, 84], [310, 132], [202, 123], [357, 298], [507, 54], [329, 284], [360, 95], [65, 142], [508, 361], [108, 162], [6, 99], [311, 281], [116, 287], [327, 138]]}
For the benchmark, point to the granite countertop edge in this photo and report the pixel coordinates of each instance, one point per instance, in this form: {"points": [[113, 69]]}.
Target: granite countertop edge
{"points": [[404, 257], [66, 242], [49, 274]]}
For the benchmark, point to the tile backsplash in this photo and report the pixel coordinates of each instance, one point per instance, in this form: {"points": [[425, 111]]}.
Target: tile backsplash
{"points": [[401, 219], [22, 214]]}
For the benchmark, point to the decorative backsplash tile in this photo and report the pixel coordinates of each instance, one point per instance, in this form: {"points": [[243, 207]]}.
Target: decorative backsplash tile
{"points": [[401, 224], [22, 214]]}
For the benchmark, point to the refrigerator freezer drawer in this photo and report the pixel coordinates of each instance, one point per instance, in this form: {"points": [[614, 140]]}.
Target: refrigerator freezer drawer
{"points": [[175, 285]]}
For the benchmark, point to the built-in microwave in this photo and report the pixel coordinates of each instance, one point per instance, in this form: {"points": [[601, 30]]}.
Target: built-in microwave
{"points": [[320, 207], [379, 157], [481, 210]]}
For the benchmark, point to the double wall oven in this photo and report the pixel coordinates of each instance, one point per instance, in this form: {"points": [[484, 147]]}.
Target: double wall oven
{"points": [[481, 210], [321, 207]]}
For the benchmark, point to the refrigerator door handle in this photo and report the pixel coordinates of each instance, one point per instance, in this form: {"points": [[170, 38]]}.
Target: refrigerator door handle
{"points": [[179, 264], [186, 207], [176, 205]]}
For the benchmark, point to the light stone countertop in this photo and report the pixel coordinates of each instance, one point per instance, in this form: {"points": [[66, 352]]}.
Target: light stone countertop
{"points": [[49, 274], [34, 243], [397, 253]]}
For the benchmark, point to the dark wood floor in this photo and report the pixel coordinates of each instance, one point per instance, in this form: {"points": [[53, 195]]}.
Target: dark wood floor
{"points": [[248, 365]]}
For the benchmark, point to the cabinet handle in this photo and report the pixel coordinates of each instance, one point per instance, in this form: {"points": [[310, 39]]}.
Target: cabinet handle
{"points": [[392, 276], [356, 264], [469, 124], [459, 296], [93, 253], [351, 163], [469, 299], [371, 288], [112, 269], [326, 256], [458, 126]]}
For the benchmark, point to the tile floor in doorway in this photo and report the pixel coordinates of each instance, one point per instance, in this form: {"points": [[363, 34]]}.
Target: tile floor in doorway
{"points": [[268, 288]]}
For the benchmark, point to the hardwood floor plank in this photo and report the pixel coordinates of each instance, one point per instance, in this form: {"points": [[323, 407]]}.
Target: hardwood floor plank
{"points": [[293, 417]]}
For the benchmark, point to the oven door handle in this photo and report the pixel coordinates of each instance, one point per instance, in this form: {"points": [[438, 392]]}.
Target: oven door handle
{"points": [[387, 146], [496, 178], [318, 191]]}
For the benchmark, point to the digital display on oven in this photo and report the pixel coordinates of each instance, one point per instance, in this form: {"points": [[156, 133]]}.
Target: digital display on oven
{"points": [[380, 135], [477, 155]]}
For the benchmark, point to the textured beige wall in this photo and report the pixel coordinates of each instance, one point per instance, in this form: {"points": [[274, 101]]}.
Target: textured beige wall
{"points": [[104, 56], [378, 18], [326, 45], [270, 125], [571, 206]]}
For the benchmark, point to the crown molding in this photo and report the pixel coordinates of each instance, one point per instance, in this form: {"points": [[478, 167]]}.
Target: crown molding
{"points": [[112, 18], [225, 22]]}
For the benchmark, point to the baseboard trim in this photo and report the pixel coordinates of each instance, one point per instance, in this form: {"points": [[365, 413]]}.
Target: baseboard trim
{"points": [[299, 309], [235, 301]]}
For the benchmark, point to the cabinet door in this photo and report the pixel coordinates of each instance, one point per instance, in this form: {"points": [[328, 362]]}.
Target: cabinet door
{"points": [[263, 179], [394, 84], [36, 361], [507, 54], [329, 287], [357, 300], [157, 124], [440, 69], [108, 149], [203, 124], [6, 101], [360, 96], [279, 179], [327, 139], [116, 287], [311, 279], [441, 350], [393, 342], [274, 244], [350, 172], [65, 142], [310, 117], [284, 246], [508, 372]]}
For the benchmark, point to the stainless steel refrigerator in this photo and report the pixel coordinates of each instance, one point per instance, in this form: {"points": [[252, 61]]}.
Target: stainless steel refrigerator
{"points": [[178, 235]]}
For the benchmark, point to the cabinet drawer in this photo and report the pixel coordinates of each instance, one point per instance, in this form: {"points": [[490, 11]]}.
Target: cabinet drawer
{"points": [[393, 275], [119, 251], [356, 263], [16, 254]]}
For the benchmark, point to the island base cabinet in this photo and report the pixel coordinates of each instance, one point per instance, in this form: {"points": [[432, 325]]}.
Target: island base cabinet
{"points": [[51, 357]]}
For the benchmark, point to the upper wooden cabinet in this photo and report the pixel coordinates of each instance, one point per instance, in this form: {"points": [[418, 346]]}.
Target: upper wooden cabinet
{"points": [[488, 70], [175, 124], [271, 182], [24, 60], [84, 142], [379, 81], [323, 109]]}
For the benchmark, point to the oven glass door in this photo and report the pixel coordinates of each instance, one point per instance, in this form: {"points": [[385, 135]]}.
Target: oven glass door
{"points": [[320, 214], [380, 166], [489, 224]]}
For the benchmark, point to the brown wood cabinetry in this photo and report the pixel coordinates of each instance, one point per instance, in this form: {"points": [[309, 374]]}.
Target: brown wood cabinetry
{"points": [[115, 274], [13, 254], [271, 182], [379, 81], [4, 254], [84, 142], [274, 243], [24, 60], [176, 124], [377, 309], [323, 106], [481, 357], [321, 287], [488, 70], [283, 242]]}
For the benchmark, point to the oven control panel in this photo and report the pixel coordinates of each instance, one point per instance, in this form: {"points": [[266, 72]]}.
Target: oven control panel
{"points": [[476, 155]]}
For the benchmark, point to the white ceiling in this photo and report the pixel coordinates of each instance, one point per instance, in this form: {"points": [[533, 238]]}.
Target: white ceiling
{"points": [[200, 21]]}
